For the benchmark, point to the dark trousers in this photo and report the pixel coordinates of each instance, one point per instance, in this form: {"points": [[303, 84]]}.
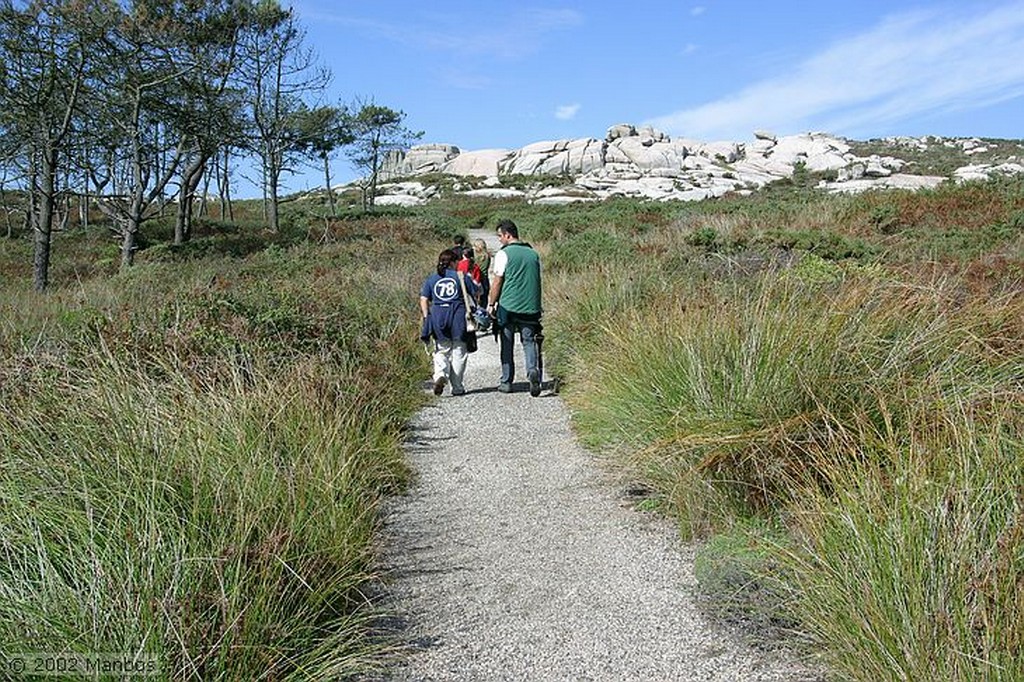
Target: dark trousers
{"points": [[530, 334]]}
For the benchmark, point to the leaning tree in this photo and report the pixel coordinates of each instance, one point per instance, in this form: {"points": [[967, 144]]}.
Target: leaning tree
{"points": [[377, 130], [321, 131]]}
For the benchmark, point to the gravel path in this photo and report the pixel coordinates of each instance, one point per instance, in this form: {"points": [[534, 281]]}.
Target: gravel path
{"points": [[514, 556]]}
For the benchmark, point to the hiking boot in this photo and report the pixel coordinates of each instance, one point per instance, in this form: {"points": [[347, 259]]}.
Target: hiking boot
{"points": [[534, 377], [504, 388], [439, 384]]}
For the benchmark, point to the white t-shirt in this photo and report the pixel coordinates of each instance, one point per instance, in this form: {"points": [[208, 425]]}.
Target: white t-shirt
{"points": [[498, 263]]}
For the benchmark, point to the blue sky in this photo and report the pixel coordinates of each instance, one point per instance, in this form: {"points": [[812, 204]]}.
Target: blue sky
{"points": [[484, 75]]}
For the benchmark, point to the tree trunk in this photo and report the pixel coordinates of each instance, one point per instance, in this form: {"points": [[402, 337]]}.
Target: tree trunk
{"points": [[374, 168], [266, 194], [203, 208], [43, 220], [132, 225], [83, 205], [273, 220], [183, 221], [227, 185], [224, 187], [41, 258], [7, 211], [327, 185], [272, 175], [33, 195], [128, 246], [136, 205], [190, 177]]}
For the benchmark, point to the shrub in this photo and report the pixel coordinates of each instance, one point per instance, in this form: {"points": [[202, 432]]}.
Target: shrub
{"points": [[588, 249]]}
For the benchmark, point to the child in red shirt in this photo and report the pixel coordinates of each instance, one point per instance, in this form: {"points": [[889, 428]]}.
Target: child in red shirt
{"points": [[467, 265]]}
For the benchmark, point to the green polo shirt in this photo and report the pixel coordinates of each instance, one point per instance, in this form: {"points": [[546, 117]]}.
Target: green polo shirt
{"points": [[520, 288]]}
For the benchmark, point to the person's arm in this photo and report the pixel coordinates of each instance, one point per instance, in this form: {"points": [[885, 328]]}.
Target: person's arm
{"points": [[495, 292], [497, 277], [424, 307]]}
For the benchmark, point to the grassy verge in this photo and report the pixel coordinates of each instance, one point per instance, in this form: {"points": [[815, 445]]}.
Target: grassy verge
{"points": [[193, 455], [914, 570], [844, 423]]}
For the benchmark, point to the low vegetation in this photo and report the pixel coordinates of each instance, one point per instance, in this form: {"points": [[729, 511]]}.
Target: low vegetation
{"points": [[824, 391], [838, 411], [939, 156], [194, 451]]}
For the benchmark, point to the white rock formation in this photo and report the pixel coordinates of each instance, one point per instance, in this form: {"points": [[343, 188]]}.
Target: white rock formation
{"points": [[398, 200], [483, 163], [644, 154], [558, 157], [645, 162], [620, 130], [983, 171], [422, 158], [895, 181], [496, 193]]}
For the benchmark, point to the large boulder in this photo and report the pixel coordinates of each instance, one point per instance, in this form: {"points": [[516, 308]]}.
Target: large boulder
{"points": [[894, 181], [557, 157], [984, 171], [723, 152], [483, 163], [495, 193], [403, 194], [419, 159], [645, 156], [649, 135], [428, 158], [818, 152], [619, 130], [404, 200]]}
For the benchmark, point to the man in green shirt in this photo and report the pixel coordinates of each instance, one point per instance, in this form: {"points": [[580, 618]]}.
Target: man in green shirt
{"points": [[514, 300]]}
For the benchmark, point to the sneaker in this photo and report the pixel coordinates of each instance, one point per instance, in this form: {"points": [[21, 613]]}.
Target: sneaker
{"points": [[504, 388], [458, 391], [439, 384], [534, 376]]}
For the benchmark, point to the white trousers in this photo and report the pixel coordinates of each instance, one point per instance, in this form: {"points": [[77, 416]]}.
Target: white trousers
{"points": [[450, 362]]}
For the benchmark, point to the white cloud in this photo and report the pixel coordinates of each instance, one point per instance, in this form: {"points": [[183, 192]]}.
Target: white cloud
{"points": [[509, 36], [909, 64], [698, 10], [567, 112]]}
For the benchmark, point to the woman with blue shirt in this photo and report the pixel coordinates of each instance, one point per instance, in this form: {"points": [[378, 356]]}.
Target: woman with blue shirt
{"points": [[444, 314]]}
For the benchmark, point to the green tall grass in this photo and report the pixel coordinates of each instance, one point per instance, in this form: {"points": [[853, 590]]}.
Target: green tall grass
{"points": [[193, 454], [855, 427], [224, 532], [914, 569]]}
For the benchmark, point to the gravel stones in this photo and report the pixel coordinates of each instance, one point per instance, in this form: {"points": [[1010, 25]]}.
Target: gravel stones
{"points": [[515, 556]]}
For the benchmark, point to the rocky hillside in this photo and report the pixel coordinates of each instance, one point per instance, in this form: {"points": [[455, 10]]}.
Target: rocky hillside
{"points": [[646, 163]]}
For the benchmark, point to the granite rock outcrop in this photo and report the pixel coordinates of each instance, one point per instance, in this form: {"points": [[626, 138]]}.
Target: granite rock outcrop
{"points": [[646, 163]]}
